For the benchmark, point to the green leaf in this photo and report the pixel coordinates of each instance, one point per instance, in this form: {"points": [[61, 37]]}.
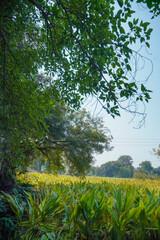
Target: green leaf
{"points": [[51, 236], [130, 25], [120, 2], [44, 237], [149, 3], [151, 208], [143, 89], [133, 214], [149, 31], [145, 25], [114, 217]]}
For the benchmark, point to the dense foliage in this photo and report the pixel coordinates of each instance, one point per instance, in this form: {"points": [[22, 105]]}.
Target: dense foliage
{"points": [[70, 142], [93, 209], [123, 168], [85, 48]]}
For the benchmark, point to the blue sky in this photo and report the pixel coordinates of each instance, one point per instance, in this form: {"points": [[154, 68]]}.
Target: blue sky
{"points": [[138, 143]]}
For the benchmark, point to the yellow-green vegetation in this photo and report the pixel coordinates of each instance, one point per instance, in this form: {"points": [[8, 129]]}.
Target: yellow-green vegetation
{"points": [[94, 208], [41, 180]]}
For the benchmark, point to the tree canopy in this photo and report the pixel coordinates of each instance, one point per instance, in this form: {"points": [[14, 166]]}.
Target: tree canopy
{"points": [[71, 140], [121, 168], [145, 167], [85, 48], [84, 45]]}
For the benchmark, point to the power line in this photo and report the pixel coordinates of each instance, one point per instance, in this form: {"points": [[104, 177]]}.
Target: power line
{"points": [[133, 145], [146, 139], [137, 142]]}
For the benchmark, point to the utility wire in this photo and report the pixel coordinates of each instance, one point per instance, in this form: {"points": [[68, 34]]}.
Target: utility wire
{"points": [[136, 142], [146, 139]]}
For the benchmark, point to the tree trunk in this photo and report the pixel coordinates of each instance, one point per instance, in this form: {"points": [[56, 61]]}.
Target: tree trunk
{"points": [[7, 182], [6, 178]]}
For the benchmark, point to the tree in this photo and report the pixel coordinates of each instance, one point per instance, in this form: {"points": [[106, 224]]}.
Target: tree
{"points": [[73, 138], [121, 168], [70, 141], [145, 167], [156, 171], [21, 123], [108, 169], [125, 160], [84, 47]]}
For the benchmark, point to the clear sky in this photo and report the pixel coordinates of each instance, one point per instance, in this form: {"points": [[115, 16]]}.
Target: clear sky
{"points": [[138, 143]]}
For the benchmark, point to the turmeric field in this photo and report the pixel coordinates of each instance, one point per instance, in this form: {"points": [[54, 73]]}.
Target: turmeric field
{"points": [[94, 208]]}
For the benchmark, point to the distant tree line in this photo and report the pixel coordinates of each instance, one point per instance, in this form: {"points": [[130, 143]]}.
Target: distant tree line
{"points": [[123, 168]]}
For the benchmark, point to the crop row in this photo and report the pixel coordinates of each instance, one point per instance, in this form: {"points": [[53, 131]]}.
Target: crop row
{"points": [[86, 210], [41, 180]]}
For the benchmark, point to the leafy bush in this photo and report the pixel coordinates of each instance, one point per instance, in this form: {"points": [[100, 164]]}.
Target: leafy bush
{"points": [[7, 216], [140, 175]]}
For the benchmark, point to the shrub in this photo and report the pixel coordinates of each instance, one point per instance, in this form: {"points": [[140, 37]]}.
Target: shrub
{"points": [[7, 216], [140, 175]]}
